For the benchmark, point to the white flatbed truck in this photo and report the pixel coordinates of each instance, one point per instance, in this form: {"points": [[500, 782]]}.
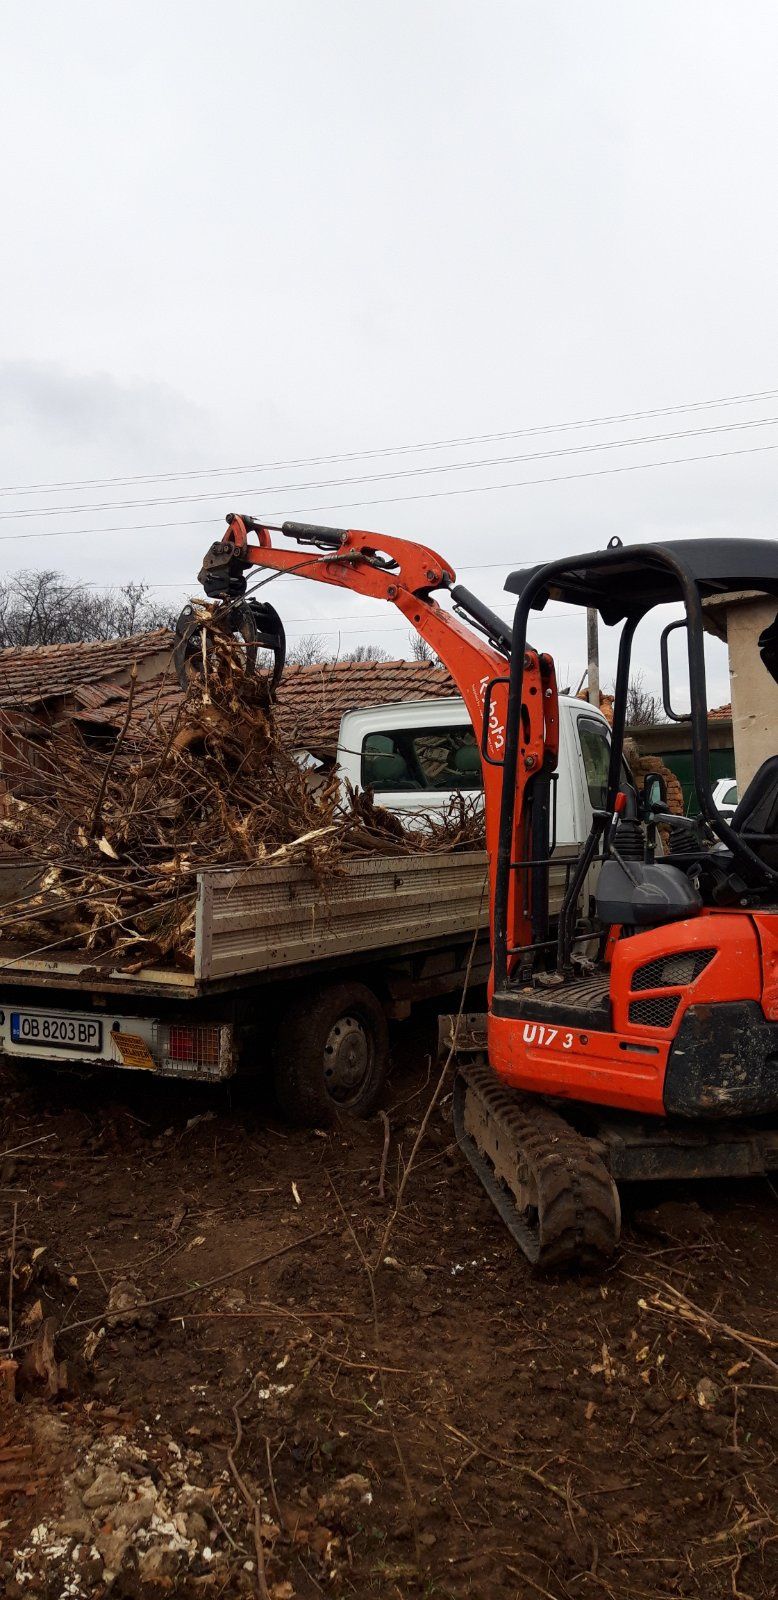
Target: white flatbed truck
{"points": [[293, 974]]}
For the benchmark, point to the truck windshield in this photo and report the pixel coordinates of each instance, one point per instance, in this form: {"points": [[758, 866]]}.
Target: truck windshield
{"points": [[421, 758]]}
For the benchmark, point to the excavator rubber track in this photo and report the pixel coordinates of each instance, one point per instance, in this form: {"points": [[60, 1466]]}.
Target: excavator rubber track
{"points": [[554, 1194]]}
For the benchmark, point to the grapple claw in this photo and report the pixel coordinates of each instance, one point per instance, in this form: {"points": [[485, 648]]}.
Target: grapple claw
{"points": [[257, 623]]}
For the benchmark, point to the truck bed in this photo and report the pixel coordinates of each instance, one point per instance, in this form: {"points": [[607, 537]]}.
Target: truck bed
{"points": [[263, 920]]}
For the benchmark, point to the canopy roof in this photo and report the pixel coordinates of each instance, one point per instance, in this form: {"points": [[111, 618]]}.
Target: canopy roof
{"points": [[628, 578]]}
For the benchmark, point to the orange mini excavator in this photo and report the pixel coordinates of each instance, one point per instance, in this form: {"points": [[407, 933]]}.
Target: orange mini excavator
{"points": [[634, 1036]]}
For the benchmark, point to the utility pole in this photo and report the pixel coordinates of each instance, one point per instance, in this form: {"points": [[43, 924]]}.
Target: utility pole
{"points": [[593, 656]]}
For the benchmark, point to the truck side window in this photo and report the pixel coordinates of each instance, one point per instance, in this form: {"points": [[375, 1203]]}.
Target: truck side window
{"points": [[421, 758], [595, 749]]}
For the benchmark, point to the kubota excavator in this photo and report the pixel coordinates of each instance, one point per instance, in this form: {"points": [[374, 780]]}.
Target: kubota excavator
{"points": [[637, 1038]]}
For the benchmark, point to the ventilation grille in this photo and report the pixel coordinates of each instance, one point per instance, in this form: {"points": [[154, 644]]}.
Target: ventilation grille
{"points": [[672, 971], [658, 1012]]}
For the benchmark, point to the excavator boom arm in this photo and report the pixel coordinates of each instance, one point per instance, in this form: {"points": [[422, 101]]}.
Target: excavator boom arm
{"points": [[476, 652], [528, 1158]]}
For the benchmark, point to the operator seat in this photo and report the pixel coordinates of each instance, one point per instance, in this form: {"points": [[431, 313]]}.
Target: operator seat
{"points": [[383, 767], [757, 812], [467, 765]]}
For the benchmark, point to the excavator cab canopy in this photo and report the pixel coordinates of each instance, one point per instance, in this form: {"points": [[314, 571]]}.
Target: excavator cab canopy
{"points": [[623, 583], [624, 578]]}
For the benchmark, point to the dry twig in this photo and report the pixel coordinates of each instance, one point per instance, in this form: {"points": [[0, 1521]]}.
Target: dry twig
{"points": [[11, 1264], [388, 1409], [565, 1495], [272, 1482], [671, 1302], [433, 1101], [251, 1501], [196, 1288], [96, 819], [384, 1156], [200, 778]]}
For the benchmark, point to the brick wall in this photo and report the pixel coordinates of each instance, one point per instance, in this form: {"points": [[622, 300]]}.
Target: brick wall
{"points": [[640, 766]]}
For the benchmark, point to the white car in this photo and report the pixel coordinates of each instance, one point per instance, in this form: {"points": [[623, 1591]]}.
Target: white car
{"points": [[725, 796]]}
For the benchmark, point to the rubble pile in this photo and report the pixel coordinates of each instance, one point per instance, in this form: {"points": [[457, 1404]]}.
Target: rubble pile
{"points": [[146, 1519], [122, 827], [122, 1510]]}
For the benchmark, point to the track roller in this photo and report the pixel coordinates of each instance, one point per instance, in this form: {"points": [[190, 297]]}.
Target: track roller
{"points": [[551, 1189]]}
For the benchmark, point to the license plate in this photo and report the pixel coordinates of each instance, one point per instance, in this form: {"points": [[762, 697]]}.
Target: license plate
{"points": [[46, 1030]]}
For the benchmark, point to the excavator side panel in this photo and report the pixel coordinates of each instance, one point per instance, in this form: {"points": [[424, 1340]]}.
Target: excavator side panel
{"points": [[766, 924], [606, 1069], [656, 978], [705, 959]]}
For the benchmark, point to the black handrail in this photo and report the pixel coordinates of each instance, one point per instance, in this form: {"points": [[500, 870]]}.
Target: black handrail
{"points": [[665, 660]]}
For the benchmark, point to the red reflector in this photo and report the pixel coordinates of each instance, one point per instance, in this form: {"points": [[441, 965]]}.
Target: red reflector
{"points": [[194, 1046]]}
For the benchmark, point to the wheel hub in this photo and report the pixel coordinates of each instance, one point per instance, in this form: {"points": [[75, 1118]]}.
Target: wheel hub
{"points": [[346, 1057]]}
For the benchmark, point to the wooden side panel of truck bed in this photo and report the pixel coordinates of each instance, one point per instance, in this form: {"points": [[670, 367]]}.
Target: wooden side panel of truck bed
{"points": [[265, 919], [275, 917]]}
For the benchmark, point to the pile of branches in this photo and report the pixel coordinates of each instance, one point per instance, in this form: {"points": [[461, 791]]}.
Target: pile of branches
{"points": [[122, 828]]}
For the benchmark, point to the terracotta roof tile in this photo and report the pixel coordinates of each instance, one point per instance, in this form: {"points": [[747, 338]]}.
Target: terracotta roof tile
{"points": [[720, 714], [311, 700], [30, 674]]}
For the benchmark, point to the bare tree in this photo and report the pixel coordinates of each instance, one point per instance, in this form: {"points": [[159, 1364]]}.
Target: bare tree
{"points": [[46, 608], [566, 677], [366, 652], [38, 608], [309, 649], [643, 708], [133, 611], [422, 651]]}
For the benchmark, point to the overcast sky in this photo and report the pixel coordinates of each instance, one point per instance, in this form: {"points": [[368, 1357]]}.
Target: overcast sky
{"points": [[249, 233]]}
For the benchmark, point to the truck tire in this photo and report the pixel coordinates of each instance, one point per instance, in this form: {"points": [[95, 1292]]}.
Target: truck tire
{"points": [[331, 1055]]}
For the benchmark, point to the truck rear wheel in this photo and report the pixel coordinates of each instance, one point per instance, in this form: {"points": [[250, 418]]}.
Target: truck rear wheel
{"points": [[331, 1055]]}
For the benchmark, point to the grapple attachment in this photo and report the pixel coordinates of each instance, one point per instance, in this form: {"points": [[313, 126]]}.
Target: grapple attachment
{"points": [[255, 621], [223, 572]]}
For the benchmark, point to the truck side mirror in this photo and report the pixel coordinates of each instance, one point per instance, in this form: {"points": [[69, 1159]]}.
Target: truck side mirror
{"points": [[654, 794]]}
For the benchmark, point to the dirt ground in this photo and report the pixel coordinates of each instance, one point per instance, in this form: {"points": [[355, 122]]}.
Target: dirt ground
{"points": [[474, 1431]]}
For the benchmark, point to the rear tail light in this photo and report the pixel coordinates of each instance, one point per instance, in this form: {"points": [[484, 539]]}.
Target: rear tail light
{"points": [[193, 1046]]}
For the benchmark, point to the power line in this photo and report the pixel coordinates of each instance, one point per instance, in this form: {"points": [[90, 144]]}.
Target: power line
{"points": [[497, 600], [316, 628], [404, 472], [525, 483], [429, 494], [317, 624], [400, 449]]}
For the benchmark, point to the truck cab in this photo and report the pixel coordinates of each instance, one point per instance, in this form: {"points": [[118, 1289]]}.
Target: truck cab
{"points": [[417, 754]]}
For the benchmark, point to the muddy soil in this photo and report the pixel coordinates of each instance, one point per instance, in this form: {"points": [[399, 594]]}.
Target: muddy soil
{"points": [[446, 1425]]}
